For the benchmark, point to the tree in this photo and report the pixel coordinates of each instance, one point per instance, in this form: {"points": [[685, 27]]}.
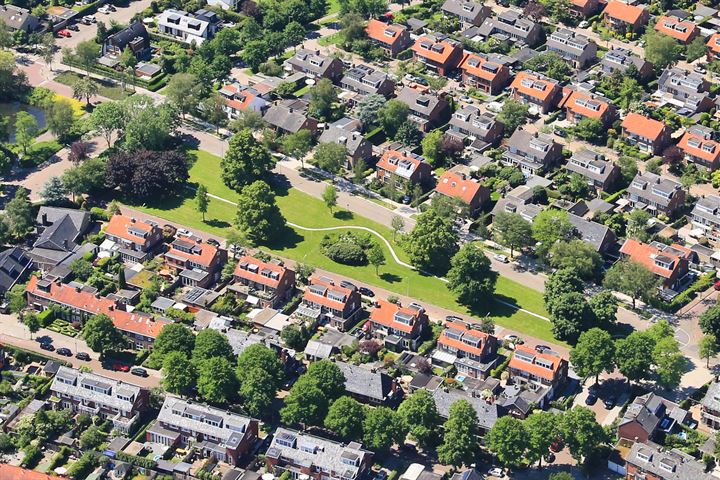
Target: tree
{"points": [[246, 161], [560, 283], [593, 354], [576, 255], [708, 348], [470, 277], [695, 49], [551, 64], [101, 335], [512, 115], [148, 126], [60, 118], [507, 439], [420, 417], [328, 377], [79, 151], [330, 197], [637, 225], [376, 257], [305, 404], [551, 226], [632, 279], [26, 129], [261, 357], [604, 306], [108, 118], [32, 323], [661, 50], [147, 174], [212, 108], [86, 177], [512, 230], [408, 134], [398, 225], [582, 434], [210, 343], [542, 430], [633, 356], [669, 362], [382, 428], [570, 315], [184, 92], [392, 115], [460, 439], [91, 438], [179, 373], [591, 130], [323, 100], [85, 88], [258, 216], [216, 381], [367, 109], [330, 157], [248, 119], [173, 337], [86, 53], [294, 33], [345, 417], [297, 145], [202, 200], [54, 192], [432, 243], [710, 321], [432, 148], [19, 216]]}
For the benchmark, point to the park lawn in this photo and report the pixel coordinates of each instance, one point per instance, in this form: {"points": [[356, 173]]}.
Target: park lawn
{"points": [[105, 88], [333, 7]]}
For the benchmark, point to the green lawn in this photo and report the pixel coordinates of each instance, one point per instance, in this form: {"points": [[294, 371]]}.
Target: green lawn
{"points": [[304, 246], [105, 88]]}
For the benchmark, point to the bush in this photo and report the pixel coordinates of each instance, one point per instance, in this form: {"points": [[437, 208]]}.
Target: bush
{"points": [[497, 371], [346, 253], [83, 466], [46, 317], [98, 213], [60, 458], [32, 457]]}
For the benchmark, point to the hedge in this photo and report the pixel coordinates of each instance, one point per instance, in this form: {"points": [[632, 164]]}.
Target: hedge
{"points": [[46, 317], [497, 371], [153, 85], [615, 196], [684, 297], [135, 460]]}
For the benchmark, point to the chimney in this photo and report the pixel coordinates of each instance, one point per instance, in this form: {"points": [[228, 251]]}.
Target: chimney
{"points": [[111, 307], [78, 289], [132, 220], [535, 135], [290, 110], [44, 219], [65, 243]]}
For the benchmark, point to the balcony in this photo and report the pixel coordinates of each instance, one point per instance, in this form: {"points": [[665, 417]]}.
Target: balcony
{"points": [[88, 409], [123, 423]]}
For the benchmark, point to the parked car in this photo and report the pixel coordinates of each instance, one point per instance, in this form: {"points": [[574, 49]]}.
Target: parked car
{"points": [[366, 291], [453, 318], [64, 33], [610, 402], [584, 24], [348, 285], [82, 356], [73, 27], [65, 352], [140, 372], [119, 367], [542, 348], [104, 9], [496, 472], [717, 285], [184, 232], [47, 346], [501, 258], [213, 242], [86, 21], [591, 399], [90, 18]]}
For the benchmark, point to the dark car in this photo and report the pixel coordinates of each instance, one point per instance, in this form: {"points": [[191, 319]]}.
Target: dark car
{"points": [[47, 346], [65, 352], [73, 27], [82, 356], [213, 242], [591, 399], [453, 318], [542, 348], [367, 292], [610, 402], [140, 372]]}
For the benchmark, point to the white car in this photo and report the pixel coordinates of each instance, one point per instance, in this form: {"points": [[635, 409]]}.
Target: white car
{"points": [[501, 258], [89, 18], [104, 9], [584, 24], [496, 472], [184, 233]]}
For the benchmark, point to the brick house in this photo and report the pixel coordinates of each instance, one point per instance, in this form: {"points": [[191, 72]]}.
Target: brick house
{"points": [[649, 461], [655, 193], [536, 89], [713, 47], [538, 370], [514, 26], [368, 385], [620, 59], [584, 8], [399, 168], [623, 17], [356, 145], [468, 123], [136, 239], [217, 433], [427, 111], [271, 283], [700, 146], [684, 31], [197, 264], [238, 98], [710, 407], [457, 185], [315, 65], [400, 327], [324, 299], [574, 47], [599, 172], [474, 353], [393, 38], [647, 134], [479, 71], [670, 263], [580, 105], [532, 153], [649, 416], [705, 216], [439, 53]]}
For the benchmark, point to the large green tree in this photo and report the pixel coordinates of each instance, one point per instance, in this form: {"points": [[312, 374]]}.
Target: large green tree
{"points": [[245, 161], [551, 226], [432, 243], [634, 356], [512, 231], [184, 92], [420, 417], [382, 428], [61, 118], [512, 115], [26, 129], [210, 343], [298, 144], [179, 373], [258, 216], [710, 321], [576, 255], [306, 404], [330, 157], [508, 440], [392, 115], [661, 50], [345, 417], [470, 276], [593, 354], [174, 337], [460, 439], [542, 429], [632, 279], [216, 382], [108, 118], [101, 335], [570, 315], [582, 434], [323, 100]]}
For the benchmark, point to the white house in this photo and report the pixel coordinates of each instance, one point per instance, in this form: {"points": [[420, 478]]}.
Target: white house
{"points": [[183, 26], [224, 4]]}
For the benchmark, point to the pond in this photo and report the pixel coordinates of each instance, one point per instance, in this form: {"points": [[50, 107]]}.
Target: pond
{"points": [[11, 109]]}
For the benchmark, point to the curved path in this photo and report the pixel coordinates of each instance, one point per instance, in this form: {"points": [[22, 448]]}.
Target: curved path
{"points": [[390, 248]]}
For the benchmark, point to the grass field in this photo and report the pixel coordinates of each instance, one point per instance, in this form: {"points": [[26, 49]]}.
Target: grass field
{"points": [[105, 88], [304, 246]]}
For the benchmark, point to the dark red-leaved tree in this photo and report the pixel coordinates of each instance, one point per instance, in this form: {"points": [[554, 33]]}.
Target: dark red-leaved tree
{"points": [[145, 174]]}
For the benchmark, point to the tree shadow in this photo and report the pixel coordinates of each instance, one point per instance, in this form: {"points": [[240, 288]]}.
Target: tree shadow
{"points": [[286, 239], [391, 277], [280, 184], [214, 222], [343, 215]]}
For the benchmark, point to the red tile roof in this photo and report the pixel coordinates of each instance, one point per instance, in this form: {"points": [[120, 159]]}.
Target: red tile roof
{"points": [[643, 126], [458, 186], [324, 300], [241, 103], [477, 70], [578, 103], [257, 277], [622, 11], [384, 314], [646, 255], [119, 224], [64, 294], [698, 151], [385, 164], [674, 22], [713, 42], [205, 257], [376, 30], [548, 373], [10, 472], [542, 89], [441, 57]]}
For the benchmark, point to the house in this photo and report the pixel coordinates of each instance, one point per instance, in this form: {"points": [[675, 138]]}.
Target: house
{"points": [[238, 98], [518, 200], [710, 407], [315, 65], [135, 38], [513, 27], [650, 414], [700, 146], [60, 231], [620, 59], [705, 216], [12, 472], [624, 17], [364, 80], [81, 392], [488, 410], [417, 471], [217, 433], [272, 283], [584, 8], [288, 119], [687, 91], [483, 72], [370, 386], [532, 153], [653, 462], [538, 371], [581, 105], [426, 110], [682, 30], [400, 327], [304, 454], [655, 193], [326, 299], [599, 172], [393, 38], [14, 267], [344, 133], [473, 352], [183, 26], [198, 264], [61, 16], [468, 122], [536, 89], [670, 263], [597, 235], [398, 169], [467, 11], [438, 53], [713, 47], [574, 47], [81, 303], [224, 4], [645, 133], [457, 185], [18, 18], [135, 239]]}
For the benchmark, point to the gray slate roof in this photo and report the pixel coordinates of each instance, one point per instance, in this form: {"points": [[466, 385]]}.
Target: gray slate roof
{"points": [[285, 118], [312, 61], [86, 386], [17, 18], [361, 381], [667, 465], [591, 165], [590, 232], [469, 9], [352, 140], [422, 103], [13, 263], [488, 413], [649, 186]]}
